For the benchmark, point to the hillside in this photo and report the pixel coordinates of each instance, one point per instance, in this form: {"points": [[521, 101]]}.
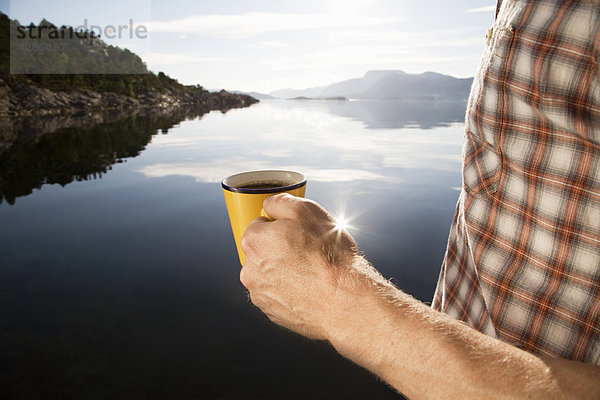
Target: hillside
{"points": [[389, 85], [49, 93]]}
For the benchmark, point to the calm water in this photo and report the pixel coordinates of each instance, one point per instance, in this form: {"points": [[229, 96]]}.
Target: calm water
{"points": [[119, 276]]}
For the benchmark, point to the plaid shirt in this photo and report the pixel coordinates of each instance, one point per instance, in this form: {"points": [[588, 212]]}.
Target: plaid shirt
{"points": [[523, 256]]}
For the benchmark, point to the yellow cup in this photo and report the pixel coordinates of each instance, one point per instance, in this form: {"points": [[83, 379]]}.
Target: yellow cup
{"points": [[245, 192]]}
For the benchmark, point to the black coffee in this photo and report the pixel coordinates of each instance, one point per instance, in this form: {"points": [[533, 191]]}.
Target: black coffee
{"points": [[265, 184]]}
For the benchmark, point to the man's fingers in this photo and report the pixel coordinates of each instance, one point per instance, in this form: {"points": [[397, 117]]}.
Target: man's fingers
{"points": [[286, 206], [282, 205], [254, 226], [257, 221], [246, 277]]}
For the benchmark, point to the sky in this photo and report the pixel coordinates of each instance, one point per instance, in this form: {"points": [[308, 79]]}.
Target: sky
{"points": [[265, 45]]}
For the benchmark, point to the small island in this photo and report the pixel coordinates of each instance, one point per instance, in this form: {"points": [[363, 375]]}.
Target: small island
{"points": [[336, 98]]}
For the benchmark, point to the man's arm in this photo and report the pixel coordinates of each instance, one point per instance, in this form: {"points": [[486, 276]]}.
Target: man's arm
{"points": [[307, 276]]}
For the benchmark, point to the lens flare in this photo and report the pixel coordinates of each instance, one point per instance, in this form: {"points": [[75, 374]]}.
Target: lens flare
{"points": [[346, 219], [344, 223], [341, 223]]}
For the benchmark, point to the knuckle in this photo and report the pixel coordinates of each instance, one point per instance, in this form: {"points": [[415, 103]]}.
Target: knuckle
{"points": [[256, 300], [312, 208], [276, 199], [300, 208], [283, 201], [317, 211], [245, 242], [245, 277], [248, 240]]}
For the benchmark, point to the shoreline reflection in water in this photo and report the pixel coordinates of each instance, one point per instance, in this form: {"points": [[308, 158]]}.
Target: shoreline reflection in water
{"points": [[127, 286]]}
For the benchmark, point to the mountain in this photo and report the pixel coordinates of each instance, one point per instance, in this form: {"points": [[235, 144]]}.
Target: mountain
{"points": [[90, 81], [389, 85]]}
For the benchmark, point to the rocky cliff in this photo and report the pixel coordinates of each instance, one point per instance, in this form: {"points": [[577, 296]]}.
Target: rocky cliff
{"points": [[43, 94], [24, 98]]}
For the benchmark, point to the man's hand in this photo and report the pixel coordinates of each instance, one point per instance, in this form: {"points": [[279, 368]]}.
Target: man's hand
{"points": [[306, 275], [295, 262]]}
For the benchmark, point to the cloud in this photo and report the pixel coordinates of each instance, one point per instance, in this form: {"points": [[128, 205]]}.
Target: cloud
{"points": [[314, 140], [265, 44], [382, 47], [336, 174], [214, 171], [255, 23], [343, 56], [463, 36], [481, 9]]}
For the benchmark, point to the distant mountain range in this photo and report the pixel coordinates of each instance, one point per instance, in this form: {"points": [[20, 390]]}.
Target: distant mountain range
{"points": [[385, 85]]}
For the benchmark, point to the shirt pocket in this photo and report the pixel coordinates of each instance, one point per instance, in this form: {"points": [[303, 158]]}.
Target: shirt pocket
{"points": [[487, 104], [482, 166]]}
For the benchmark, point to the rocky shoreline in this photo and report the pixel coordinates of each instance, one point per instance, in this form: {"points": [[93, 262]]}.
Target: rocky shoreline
{"points": [[28, 111], [21, 99], [31, 127], [61, 149]]}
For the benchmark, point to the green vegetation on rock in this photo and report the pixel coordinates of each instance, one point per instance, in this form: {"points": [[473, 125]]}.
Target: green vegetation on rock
{"points": [[50, 93]]}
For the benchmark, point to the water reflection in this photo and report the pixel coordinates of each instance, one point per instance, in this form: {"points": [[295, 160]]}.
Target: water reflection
{"points": [[37, 151], [213, 172], [305, 136], [397, 114], [87, 149], [127, 286]]}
